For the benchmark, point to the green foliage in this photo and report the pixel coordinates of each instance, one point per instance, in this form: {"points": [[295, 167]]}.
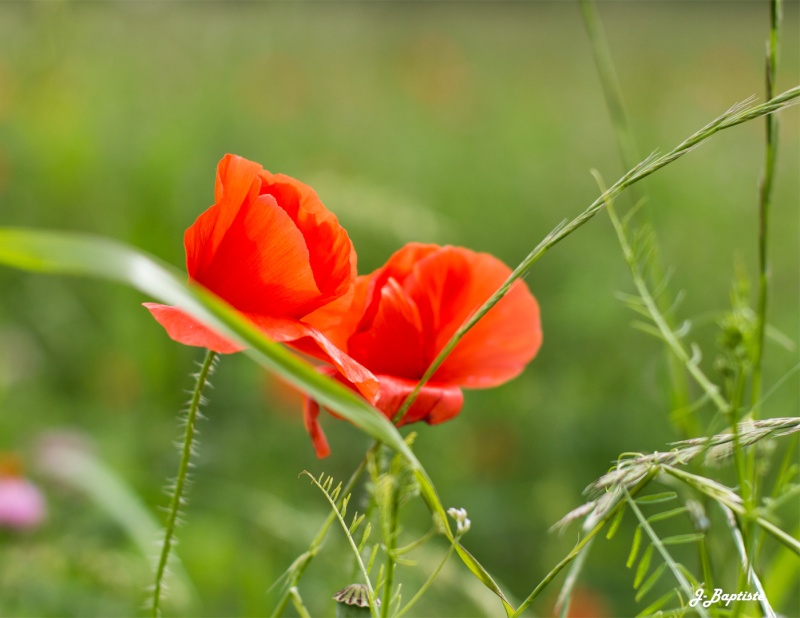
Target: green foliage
{"points": [[474, 127]]}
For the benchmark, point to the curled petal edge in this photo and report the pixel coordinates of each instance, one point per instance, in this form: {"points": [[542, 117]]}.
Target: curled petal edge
{"points": [[436, 403], [184, 329]]}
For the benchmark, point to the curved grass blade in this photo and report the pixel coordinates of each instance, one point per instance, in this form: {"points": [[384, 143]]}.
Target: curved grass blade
{"points": [[81, 254], [78, 254]]}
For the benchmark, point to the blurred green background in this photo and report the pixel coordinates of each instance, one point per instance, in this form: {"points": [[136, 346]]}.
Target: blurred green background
{"points": [[466, 123]]}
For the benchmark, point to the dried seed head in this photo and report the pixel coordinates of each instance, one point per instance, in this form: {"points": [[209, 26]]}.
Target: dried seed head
{"points": [[355, 594]]}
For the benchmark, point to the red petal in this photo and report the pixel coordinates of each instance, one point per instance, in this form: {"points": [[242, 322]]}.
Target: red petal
{"points": [[393, 343], [331, 254], [435, 403], [338, 319], [311, 420], [262, 265], [237, 183], [397, 267], [184, 329], [449, 287]]}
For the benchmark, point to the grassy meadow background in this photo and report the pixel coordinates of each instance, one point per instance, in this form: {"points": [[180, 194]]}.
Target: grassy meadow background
{"points": [[467, 123]]}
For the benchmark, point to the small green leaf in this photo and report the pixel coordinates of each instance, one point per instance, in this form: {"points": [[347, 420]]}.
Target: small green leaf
{"points": [[681, 539], [650, 581], [656, 605], [667, 514], [656, 498], [644, 565], [612, 529], [637, 540]]}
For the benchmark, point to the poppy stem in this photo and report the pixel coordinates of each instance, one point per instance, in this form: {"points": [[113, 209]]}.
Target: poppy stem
{"points": [[176, 500]]}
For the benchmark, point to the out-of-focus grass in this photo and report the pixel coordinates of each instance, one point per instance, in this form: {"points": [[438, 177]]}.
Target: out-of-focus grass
{"points": [[470, 123]]}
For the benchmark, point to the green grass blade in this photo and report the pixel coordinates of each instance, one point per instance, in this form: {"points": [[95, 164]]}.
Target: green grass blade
{"points": [[79, 254], [76, 254]]}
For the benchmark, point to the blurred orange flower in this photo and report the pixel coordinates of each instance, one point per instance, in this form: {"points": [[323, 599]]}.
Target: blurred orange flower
{"points": [[271, 249], [402, 315]]}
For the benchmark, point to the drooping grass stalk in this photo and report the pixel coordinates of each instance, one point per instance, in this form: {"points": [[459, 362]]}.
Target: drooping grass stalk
{"points": [[739, 113], [728, 498], [299, 567], [632, 468], [176, 500], [765, 199], [336, 507]]}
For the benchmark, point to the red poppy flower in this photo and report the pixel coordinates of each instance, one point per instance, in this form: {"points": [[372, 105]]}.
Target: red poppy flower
{"points": [[402, 315], [270, 249]]}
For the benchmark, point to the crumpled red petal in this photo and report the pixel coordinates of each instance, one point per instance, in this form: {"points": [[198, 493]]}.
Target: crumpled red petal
{"points": [[332, 259], [436, 403], [311, 421]]}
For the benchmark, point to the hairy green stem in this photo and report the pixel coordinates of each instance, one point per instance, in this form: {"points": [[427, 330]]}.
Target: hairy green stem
{"points": [[180, 482], [736, 115]]}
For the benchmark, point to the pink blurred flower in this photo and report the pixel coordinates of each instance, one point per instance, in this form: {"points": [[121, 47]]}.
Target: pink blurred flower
{"points": [[21, 503]]}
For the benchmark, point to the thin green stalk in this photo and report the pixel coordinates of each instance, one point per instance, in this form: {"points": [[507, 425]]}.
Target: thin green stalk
{"points": [[679, 393], [361, 566], [765, 199], [299, 567], [297, 601], [667, 333], [430, 579], [390, 541], [737, 114], [748, 572], [656, 541], [579, 547], [176, 500], [610, 83]]}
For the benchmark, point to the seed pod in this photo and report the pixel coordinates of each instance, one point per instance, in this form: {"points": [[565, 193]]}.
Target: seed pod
{"points": [[353, 600]]}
